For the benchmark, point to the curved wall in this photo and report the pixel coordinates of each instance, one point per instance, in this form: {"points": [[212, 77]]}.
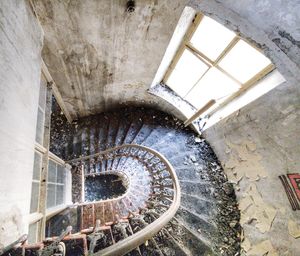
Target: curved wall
{"points": [[261, 141], [20, 62], [255, 144]]}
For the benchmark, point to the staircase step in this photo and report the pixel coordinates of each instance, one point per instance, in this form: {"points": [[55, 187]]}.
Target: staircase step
{"points": [[104, 126], [133, 131], [155, 136], [199, 223], [198, 206], [112, 131], [196, 244], [197, 214]]}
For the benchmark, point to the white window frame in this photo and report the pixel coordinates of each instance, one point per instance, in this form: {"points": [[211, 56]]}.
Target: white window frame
{"points": [[186, 44]]}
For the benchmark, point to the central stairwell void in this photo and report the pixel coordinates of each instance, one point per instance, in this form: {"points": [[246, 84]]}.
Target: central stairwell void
{"points": [[143, 185], [104, 186]]}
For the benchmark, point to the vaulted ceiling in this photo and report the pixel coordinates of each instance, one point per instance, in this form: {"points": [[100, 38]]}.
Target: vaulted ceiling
{"points": [[100, 55]]}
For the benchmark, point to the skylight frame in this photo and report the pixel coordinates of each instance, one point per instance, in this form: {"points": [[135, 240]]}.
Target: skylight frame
{"points": [[186, 44], [176, 59]]}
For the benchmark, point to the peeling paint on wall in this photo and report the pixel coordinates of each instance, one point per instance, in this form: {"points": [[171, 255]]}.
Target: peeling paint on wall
{"points": [[243, 166], [244, 162], [263, 248], [294, 229], [255, 210]]}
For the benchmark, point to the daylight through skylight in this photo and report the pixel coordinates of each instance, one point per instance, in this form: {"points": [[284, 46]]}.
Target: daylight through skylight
{"points": [[213, 63]]}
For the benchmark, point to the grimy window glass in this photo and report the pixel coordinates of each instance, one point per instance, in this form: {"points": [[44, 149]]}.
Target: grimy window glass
{"points": [[35, 189], [56, 185], [41, 114], [32, 232]]}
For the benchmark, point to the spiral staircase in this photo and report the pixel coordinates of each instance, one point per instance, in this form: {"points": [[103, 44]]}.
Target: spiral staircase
{"points": [[177, 199]]}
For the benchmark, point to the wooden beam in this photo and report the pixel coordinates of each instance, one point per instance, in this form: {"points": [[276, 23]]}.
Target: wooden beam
{"points": [[56, 92], [245, 87], [182, 47], [45, 159], [199, 112]]}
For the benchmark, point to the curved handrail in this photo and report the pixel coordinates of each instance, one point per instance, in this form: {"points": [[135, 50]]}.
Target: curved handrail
{"points": [[128, 244]]}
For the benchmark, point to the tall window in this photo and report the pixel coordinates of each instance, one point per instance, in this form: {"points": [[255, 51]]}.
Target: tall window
{"points": [[56, 184], [35, 188], [213, 63]]}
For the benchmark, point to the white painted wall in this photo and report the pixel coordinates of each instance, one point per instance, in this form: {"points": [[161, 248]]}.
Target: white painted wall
{"points": [[20, 47]]}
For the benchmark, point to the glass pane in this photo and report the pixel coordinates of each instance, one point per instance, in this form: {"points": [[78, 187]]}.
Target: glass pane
{"points": [[211, 38], [37, 166], [187, 72], [50, 195], [34, 197], [42, 95], [60, 174], [40, 127], [32, 233], [51, 171], [59, 194], [214, 85], [243, 61]]}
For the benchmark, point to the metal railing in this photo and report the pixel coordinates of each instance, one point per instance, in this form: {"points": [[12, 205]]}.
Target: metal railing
{"points": [[165, 189]]}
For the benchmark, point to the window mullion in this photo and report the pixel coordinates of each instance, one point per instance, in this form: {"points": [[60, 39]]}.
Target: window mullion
{"points": [[174, 62], [182, 47], [227, 49], [193, 27], [196, 83], [246, 86], [227, 74], [199, 54]]}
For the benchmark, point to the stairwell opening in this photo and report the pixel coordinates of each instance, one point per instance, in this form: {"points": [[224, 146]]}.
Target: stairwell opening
{"points": [[105, 186], [207, 221]]}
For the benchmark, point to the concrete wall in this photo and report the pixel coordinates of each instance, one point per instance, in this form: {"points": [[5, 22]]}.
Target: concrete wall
{"points": [[262, 140], [100, 56], [20, 46]]}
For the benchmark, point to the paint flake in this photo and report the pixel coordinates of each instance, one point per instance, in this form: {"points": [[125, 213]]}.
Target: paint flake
{"points": [[263, 248], [294, 229]]}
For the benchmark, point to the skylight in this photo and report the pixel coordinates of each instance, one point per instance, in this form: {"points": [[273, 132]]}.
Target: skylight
{"points": [[243, 61], [187, 71], [214, 85], [217, 37], [213, 63]]}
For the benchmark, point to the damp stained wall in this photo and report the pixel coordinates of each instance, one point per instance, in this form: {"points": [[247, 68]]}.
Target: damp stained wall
{"points": [[255, 144], [101, 56], [20, 47], [262, 140]]}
